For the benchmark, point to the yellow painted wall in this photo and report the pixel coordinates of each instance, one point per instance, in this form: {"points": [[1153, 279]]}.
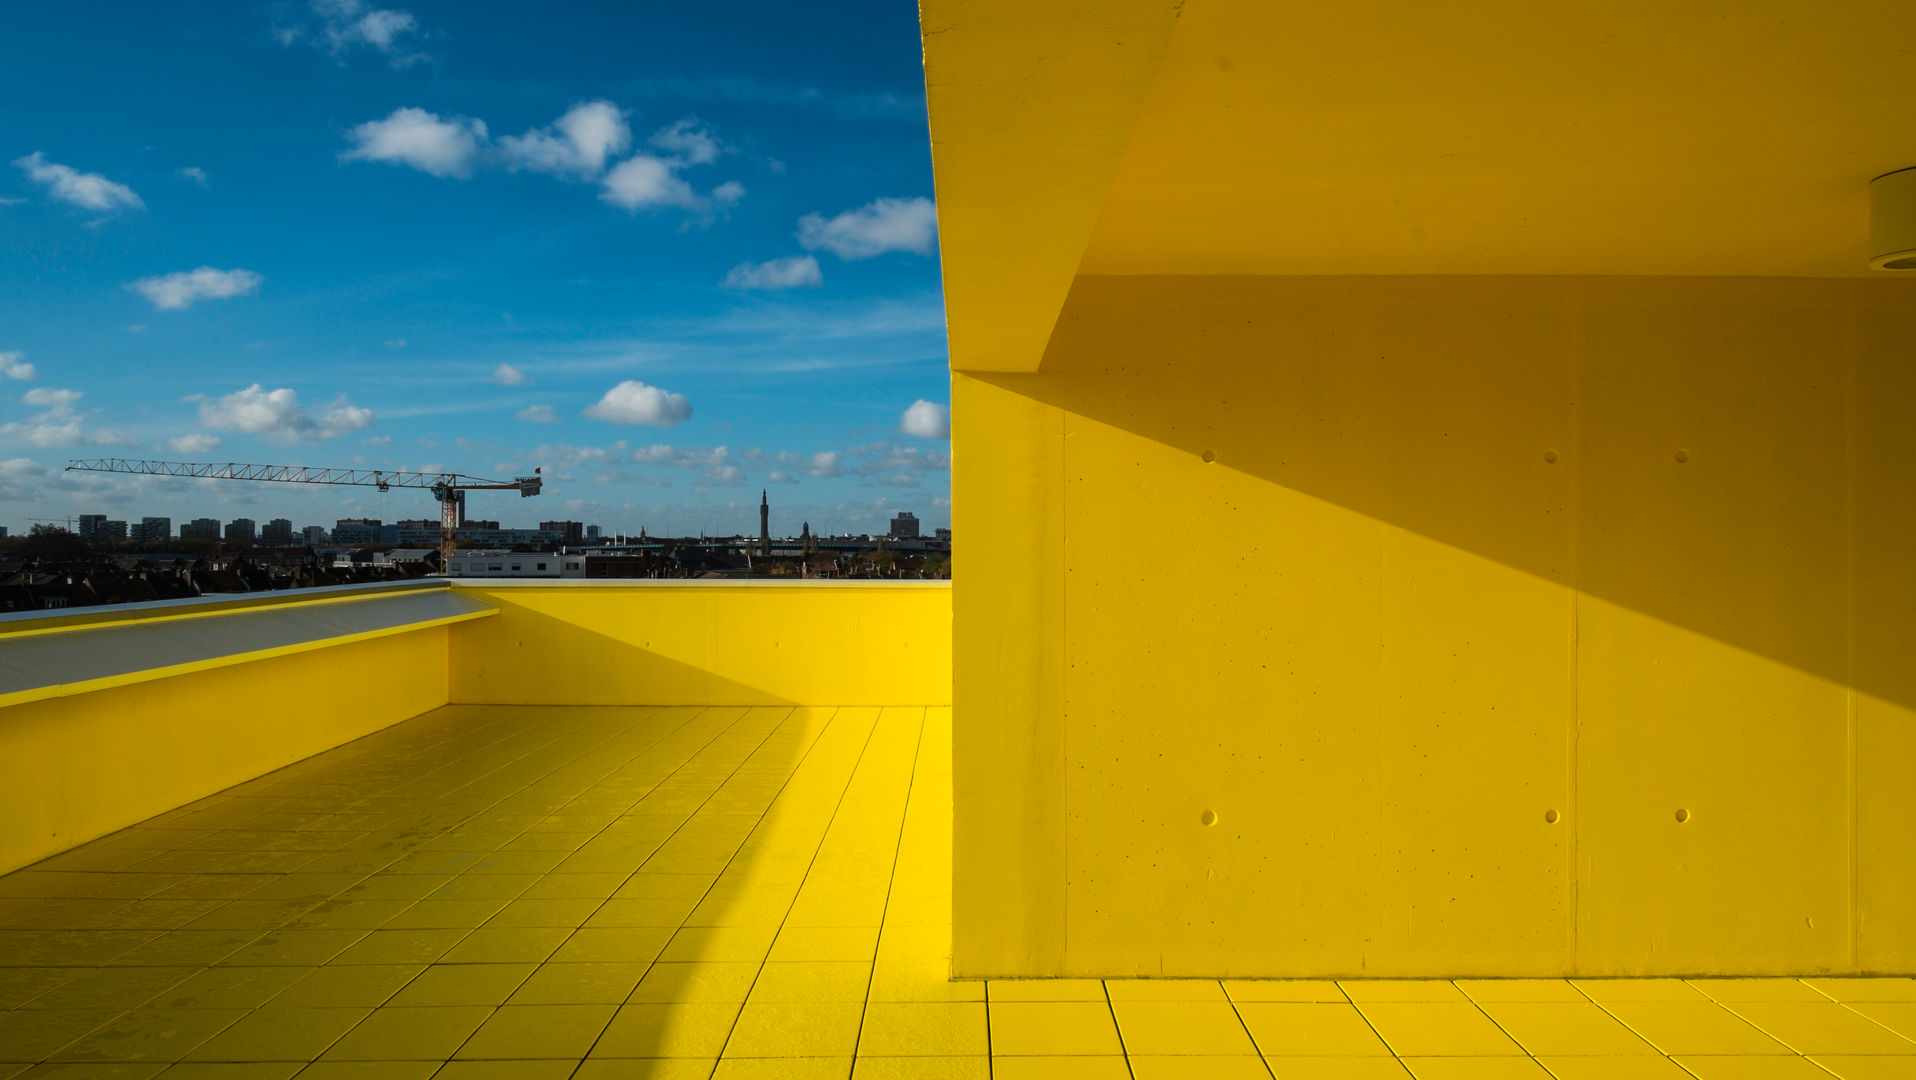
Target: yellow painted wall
{"points": [[76, 768], [1446, 575], [811, 643]]}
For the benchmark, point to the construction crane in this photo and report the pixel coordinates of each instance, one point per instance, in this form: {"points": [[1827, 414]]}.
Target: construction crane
{"points": [[449, 488]]}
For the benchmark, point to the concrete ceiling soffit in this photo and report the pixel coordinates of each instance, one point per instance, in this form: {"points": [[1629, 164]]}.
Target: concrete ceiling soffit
{"points": [[1032, 104]]}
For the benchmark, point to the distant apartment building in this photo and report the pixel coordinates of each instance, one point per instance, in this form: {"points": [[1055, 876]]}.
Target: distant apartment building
{"points": [[905, 526], [90, 526], [356, 531], [941, 534], [566, 532], [470, 524], [593, 534], [242, 531], [200, 529], [315, 536], [277, 533], [155, 528]]}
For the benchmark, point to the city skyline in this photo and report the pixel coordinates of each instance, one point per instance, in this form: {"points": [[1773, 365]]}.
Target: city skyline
{"points": [[426, 238]]}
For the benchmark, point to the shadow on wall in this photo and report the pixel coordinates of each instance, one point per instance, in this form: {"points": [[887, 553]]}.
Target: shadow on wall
{"points": [[1732, 457]]}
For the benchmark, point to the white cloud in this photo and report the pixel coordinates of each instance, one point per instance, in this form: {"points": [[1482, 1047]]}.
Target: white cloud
{"points": [[790, 272], [926, 420], [873, 229], [577, 144], [179, 291], [56, 402], [89, 191], [193, 444], [729, 193], [396, 343], [643, 181], [442, 146], [110, 437], [689, 140], [9, 200], [279, 417], [12, 367], [507, 375], [633, 402], [193, 173], [780, 476], [22, 480], [344, 25], [537, 414], [683, 457], [826, 463]]}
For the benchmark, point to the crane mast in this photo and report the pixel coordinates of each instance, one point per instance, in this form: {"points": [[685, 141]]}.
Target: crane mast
{"points": [[449, 488]]}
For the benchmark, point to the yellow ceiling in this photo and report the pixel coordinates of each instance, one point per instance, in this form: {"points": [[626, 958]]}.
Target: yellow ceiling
{"points": [[1680, 137], [1515, 137]]}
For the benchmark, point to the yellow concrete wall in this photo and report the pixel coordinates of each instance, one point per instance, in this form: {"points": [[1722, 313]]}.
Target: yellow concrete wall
{"points": [[76, 768], [807, 643], [1445, 575]]}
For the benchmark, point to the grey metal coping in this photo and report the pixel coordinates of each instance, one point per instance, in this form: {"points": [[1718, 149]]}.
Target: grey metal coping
{"points": [[33, 621], [483, 582], [61, 660]]}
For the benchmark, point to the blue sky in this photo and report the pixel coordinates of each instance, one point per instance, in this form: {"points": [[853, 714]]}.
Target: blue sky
{"points": [[672, 253]]}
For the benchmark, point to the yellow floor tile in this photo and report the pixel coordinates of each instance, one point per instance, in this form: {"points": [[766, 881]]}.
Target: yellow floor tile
{"points": [[921, 1068], [206, 1070], [280, 1035], [120, 988], [1608, 990], [432, 914], [829, 1068], [396, 1034], [568, 913], [575, 887], [719, 943], [518, 945], [1865, 989], [1164, 990], [713, 982], [1486, 990], [1199, 1068], [1898, 1016], [796, 1029], [1822, 1028], [1363, 990], [678, 1030], [579, 984], [464, 984], [1622, 1067], [922, 980], [1337, 1068], [1475, 1068], [1899, 1067], [370, 1070], [1059, 1068], [368, 914], [33, 1034], [1310, 1029], [1069, 1028], [347, 986], [1728, 990], [539, 1031], [1044, 990], [935, 1029], [1565, 1029], [149, 1035], [825, 943], [1298, 990], [400, 947], [646, 1069], [506, 1070], [1437, 1028], [1765, 1067], [1181, 1027], [820, 981], [1694, 1027]]}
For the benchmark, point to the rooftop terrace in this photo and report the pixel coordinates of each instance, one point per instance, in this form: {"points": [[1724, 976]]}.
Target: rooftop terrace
{"points": [[542, 891]]}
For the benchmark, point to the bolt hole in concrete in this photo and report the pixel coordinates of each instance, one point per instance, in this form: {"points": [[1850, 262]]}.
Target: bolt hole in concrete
{"points": [[1682, 816], [1550, 817], [1210, 456], [1209, 817], [1682, 456], [1550, 457]]}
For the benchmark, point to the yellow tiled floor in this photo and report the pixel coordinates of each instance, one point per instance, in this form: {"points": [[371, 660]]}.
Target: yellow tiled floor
{"points": [[490, 892]]}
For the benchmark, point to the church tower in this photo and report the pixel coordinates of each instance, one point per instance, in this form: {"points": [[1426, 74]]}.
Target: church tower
{"points": [[764, 524]]}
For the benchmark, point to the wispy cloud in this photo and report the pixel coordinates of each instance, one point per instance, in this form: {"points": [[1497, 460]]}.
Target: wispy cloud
{"points": [[193, 173], [441, 146], [879, 226], [181, 290], [89, 191], [789, 272], [507, 375], [340, 27], [13, 367], [278, 416]]}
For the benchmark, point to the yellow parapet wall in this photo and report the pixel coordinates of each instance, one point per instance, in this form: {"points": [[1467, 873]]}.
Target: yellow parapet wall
{"points": [[706, 643], [77, 767], [1446, 626]]}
